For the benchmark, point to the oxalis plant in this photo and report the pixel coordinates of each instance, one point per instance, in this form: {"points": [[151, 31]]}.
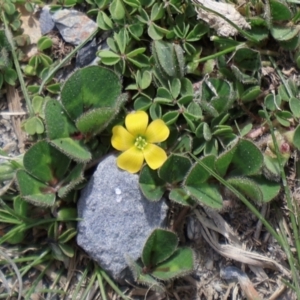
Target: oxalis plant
{"points": [[162, 260], [188, 100]]}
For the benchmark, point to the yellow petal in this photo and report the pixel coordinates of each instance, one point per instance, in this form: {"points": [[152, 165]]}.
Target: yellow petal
{"points": [[121, 139], [157, 131], [154, 156], [131, 160], [137, 122]]}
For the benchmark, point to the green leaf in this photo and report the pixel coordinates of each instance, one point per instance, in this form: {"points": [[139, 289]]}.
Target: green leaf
{"points": [[117, 10], [280, 11], [20, 206], [159, 246], [142, 103], [67, 249], [270, 189], [155, 111], [142, 277], [53, 88], [247, 159], [174, 168], [34, 125], [183, 144], [150, 184], [295, 106], [251, 94], [58, 123], [206, 132], [282, 117], [136, 52], [10, 76], [175, 87], [109, 58], [179, 264], [70, 181], [95, 121], [121, 40], [89, 88], [33, 190], [103, 21], [271, 167], [72, 148], [198, 174], [9, 7], [169, 58], [283, 33], [180, 196], [205, 194], [194, 110], [66, 213], [154, 32], [296, 139], [247, 187], [67, 235], [170, 117], [44, 43], [46, 163], [224, 160], [247, 59], [272, 102], [37, 104]]}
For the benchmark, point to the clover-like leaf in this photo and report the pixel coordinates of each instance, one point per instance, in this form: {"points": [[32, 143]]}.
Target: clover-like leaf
{"points": [[247, 159], [174, 168], [247, 187], [143, 277], [206, 194], [224, 160], [62, 132], [45, 162], [150, 184], [295, 106], [270, 189], [70, 181], [180, 196], [197, 174], [280, 11], [179, 264], [90, 88], [33, 190], [159, 246]]}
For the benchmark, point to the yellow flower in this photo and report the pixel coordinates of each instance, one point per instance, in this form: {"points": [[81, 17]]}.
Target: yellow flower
{"points": [[137, 141]]}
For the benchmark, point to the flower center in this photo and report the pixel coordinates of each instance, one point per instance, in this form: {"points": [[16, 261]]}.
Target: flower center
{"points": [[140, 143]]}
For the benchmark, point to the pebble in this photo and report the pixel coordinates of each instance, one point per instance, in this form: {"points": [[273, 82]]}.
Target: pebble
{"points": [[116, 218]]}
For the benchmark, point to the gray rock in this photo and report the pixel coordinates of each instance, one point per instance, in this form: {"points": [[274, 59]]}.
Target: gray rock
{"points": [[46, 22], [117, 219], [74, 26], [86, 54]]}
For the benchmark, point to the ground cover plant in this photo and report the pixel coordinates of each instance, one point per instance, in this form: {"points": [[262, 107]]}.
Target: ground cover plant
{"points": [[223, 108]]}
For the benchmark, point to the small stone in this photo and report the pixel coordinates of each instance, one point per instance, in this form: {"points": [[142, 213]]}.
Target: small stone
{"points": [[116, 218], [74, 26], [46, 22], [86, 54]]}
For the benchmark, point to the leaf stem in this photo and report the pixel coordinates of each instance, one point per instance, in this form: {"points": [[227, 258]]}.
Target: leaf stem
{"points": [[225, 51]]}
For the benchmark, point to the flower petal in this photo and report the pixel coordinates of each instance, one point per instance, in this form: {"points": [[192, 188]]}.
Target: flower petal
{"points": [[121, 139], [131, 160], [157, 131], [154, 156], [137, 122]]}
